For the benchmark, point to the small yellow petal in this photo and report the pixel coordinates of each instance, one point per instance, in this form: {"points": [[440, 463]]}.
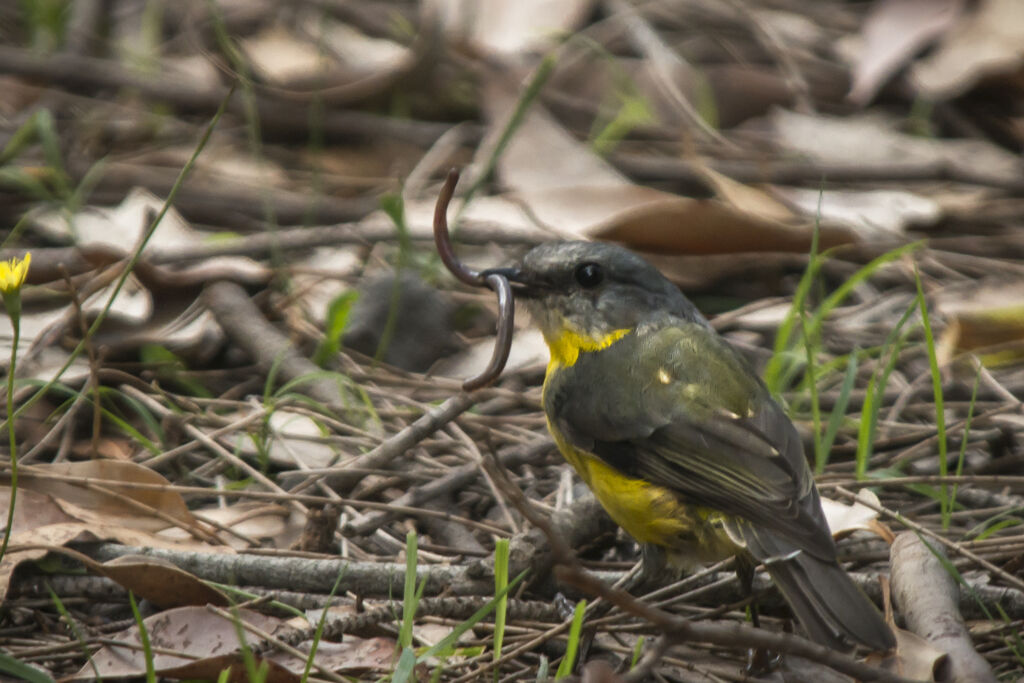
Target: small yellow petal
{"points": [[13, 273]]}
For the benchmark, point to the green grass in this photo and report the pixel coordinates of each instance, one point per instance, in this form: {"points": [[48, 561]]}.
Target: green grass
{"points": [[501, 560], [963, 442], [147, 646], [875, 392], [394, 206], [338, 312], [568, 663], [796, 362], [940, 413], [318, 634], [823, 446], [21, 671], [132, 261], [73, 627], [789, 353]]}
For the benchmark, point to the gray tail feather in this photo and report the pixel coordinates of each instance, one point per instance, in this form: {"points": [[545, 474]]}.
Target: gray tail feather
{"points": [[830, 606]]}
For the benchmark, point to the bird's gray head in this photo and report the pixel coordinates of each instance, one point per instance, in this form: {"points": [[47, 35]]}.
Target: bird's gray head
{"points": [[593, 290]]}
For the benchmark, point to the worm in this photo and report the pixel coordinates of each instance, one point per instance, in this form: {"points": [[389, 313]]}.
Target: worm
{"points": [[496, 282]]}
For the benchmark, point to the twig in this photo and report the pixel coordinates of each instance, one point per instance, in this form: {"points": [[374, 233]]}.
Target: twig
{"points": [[666, 65], [927, 596], [952, 545], [245, 325], [342, 480], [674, 628], [78, 73], [267, 637], [456, 479]]}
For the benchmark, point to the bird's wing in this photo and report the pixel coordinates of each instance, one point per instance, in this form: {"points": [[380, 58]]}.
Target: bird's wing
{"points": [[676, 406]]}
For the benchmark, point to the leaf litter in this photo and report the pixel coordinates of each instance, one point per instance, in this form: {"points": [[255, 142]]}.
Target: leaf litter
{"points": [[722, 140]]}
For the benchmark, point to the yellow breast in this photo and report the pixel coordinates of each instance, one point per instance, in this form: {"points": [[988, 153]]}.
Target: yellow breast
{"points": [[652, 514], [648, 512]]}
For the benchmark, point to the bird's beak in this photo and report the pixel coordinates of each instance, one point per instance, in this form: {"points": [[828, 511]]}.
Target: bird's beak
{"points": [[521, 284]]}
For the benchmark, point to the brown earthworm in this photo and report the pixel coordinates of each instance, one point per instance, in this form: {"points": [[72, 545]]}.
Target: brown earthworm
{"points": [[498, 283]]}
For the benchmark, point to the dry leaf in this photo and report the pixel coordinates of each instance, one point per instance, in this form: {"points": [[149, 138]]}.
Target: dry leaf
{"points": [[914, 657], [528, 349], [876, 214], [571, 191], [120, 227], [354, 48], [68, 532], [160, 582], [287, 446], [259, 521], [92, 505], [279, 56], [31, 510], [988, 41], [845, 519], [893, 32], [986, 318], [207, 642], [508, 29], [875, 140]]}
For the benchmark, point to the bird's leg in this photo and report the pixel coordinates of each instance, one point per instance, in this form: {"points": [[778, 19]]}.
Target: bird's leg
{"points": [[745, 573], [655, 570], [759, 660]]}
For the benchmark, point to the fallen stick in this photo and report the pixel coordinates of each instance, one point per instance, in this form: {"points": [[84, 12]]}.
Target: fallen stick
{"points": [[927, 596]]}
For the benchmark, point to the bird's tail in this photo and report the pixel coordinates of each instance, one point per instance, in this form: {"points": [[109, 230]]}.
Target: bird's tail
{"points": [[832, 608]]}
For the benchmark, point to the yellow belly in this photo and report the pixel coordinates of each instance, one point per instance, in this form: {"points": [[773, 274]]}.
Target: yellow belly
{"points": [[653, 514], [649, 513]]}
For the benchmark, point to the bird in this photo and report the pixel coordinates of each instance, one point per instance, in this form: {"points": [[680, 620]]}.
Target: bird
{"points": [[676, 435]]}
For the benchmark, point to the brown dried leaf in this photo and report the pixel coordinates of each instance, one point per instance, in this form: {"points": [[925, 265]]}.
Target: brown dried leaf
{"points": [[257, 520], [986, 318], [705, 226], [914, 657], [987, 42], [160, 582], [873, 139], [91, 505], [845, 519], [278, 56], [572, 192], [893, 32], [120, 227], [528, 349], [31, 510], [207, 643], [875, 214], [541, 155], [68, 532], [507, 29]]}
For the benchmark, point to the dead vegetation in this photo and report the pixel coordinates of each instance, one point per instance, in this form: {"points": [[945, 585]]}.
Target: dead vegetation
{"points": [[225, 402]]}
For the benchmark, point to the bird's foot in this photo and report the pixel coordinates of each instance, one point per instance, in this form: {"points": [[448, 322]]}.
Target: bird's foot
{"points": [[761, 661]]}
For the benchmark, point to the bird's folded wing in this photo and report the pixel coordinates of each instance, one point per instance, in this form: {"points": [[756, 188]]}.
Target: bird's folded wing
{"points": [[712, 434]]}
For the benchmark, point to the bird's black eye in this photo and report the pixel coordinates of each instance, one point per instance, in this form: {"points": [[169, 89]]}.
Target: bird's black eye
{"points": [[589, 275]]}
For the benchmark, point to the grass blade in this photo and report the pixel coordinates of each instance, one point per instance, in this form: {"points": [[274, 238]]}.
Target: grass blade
{"points": [[500, 588], [409, 601], [835, 419], [940, 413], [569, 660]]}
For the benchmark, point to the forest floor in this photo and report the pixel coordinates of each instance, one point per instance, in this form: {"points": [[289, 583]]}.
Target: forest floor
{"points": [[227, 412]]}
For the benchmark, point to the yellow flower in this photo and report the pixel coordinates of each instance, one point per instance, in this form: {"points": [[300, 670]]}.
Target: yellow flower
{"points": [[13, 273]]}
